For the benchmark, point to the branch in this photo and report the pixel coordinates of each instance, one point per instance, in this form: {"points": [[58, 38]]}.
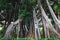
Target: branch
{"points": [[36, 25], [47, 19], [39, 19], [48, 22], [11, 27], [57, 22], [2, 15]]}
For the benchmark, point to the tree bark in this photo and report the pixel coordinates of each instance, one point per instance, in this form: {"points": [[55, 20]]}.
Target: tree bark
{"points": [[50, 26], [10, 28], [44, 28], [37, 33], [57, 22]]}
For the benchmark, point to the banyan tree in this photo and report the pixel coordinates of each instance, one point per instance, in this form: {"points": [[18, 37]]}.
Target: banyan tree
{"points": [[30, 18]]}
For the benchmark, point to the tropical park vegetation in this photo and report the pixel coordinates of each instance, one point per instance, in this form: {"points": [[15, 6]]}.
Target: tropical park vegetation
{"points": [[29, 18]]}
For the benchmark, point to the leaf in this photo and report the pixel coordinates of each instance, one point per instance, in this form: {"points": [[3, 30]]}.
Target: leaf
{"points": [[51, 2], [55, 7]]}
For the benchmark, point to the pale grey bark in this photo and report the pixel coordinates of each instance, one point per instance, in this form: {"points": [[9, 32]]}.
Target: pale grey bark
{"points": [[39, 19], [37, 33], [10, 28], [48, 33], [57, 22], [50, 26], [44, 27], [26, 28]]}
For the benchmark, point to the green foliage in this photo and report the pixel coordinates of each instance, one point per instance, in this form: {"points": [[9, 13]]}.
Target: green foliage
{"points": [[22, 13], [24, 6], [33, 2], [58, 0], [27, 13], [51, 2], [55, 7], [29, 39], [41, 30], [4, 4], [27, 19], [26, 9], [13, 34]]}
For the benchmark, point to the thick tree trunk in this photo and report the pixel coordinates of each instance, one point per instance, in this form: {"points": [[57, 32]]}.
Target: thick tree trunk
{"points": [[22, 31], [49, 23], [37, 33], [31, 34], [50, 26], [10, 28], [7, 34], [44, 28], [48, 33], [18, 29], [57, 22]]}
